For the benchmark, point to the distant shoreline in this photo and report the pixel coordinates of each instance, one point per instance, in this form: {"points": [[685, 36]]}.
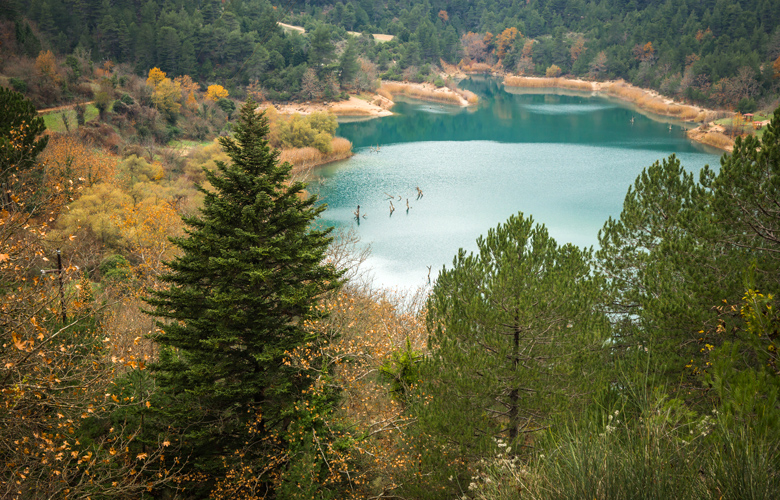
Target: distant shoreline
{"points": [[707, 132], [378, 103]]}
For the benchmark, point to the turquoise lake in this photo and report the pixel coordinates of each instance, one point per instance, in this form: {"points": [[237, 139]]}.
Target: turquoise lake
{"points": [[566, 159]]}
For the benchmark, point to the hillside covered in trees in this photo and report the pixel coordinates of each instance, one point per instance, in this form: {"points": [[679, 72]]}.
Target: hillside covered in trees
{"points": [[246, 358], [715, 52], [176, 324]]}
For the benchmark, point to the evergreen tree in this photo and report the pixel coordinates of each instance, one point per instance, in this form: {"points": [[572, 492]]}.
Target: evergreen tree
{"points": [[321, 50], [746, 193], [238, 297], [666, 267], [348, 63], [20, 141], [511, 332]]}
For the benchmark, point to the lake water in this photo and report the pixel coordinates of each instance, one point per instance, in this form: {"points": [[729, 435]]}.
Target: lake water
{"points": [[566, 159]]}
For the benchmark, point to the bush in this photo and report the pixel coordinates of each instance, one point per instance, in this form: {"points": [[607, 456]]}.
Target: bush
{"points": [[747, 105], [299, 131], [226, 105], [18, 85], [120, 107], [115, 268]]}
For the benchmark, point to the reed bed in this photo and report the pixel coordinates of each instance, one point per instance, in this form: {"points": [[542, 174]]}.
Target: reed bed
{"points": [[653, 103], [476, 68], [310, 157], [355, 112], [470, 96], [393, 88], [384, 93], [717, 139], [561, 83]]}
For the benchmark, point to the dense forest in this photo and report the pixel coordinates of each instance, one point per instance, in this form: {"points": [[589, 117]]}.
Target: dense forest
{"points": [[176, 324], [715, 52]]}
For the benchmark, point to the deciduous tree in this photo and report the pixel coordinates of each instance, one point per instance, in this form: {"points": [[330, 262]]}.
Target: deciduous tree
{"points": [[216, 92], [505, 40]]}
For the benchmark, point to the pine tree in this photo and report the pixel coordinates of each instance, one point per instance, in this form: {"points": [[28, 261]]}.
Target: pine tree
{"points": [[746, 193], [665, 266], [511, 330], [21, 140], [248, 279], [348, 63], [321, 50]]}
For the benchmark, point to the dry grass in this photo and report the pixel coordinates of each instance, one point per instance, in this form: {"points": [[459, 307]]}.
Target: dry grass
{"points": [[356, 111], [470, 96], [302, 158], [395, 88], [476, 67], [653, 103], [560, 83], [718, 140], [384, 93]]}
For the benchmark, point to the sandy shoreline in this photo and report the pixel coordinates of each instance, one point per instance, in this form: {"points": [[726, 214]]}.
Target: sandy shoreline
{"points": [[648, 100], [378, 104]]}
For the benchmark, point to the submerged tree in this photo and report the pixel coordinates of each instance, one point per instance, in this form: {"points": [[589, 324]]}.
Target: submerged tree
{"points": [[238, 297]]}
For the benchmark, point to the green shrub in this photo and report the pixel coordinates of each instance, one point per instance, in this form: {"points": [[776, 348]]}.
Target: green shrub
{"points": [[115, 268], [226, 105], [298, 131], [747, 105], [18, 85], [400, 371]]}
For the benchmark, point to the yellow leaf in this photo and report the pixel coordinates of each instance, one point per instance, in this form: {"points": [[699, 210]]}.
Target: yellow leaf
{"points": [[4, 257]]}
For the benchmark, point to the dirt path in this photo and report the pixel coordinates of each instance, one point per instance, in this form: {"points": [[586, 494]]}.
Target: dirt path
{"points": [[62, 108], [379, 37]]}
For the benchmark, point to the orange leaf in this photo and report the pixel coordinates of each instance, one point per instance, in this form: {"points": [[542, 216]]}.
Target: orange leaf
{"points": [[17, 341]]}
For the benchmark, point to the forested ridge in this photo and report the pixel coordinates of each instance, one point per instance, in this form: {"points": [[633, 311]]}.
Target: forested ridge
{"points": [[713, 52], [176, 323]]}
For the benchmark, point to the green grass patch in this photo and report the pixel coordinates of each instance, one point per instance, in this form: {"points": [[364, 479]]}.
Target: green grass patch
{"points": [[748, 127], [54, 123], [91, 113], [758, 117]]}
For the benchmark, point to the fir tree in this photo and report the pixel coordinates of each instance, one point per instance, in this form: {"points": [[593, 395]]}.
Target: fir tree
{"points": [[249, 276]]}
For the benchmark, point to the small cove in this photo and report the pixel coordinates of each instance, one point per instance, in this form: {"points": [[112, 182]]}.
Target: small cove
{"points": [[566, 159]]}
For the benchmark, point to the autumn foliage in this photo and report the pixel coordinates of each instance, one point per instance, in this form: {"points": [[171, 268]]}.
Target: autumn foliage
{"points": [[505, 40], [216, 92]]}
